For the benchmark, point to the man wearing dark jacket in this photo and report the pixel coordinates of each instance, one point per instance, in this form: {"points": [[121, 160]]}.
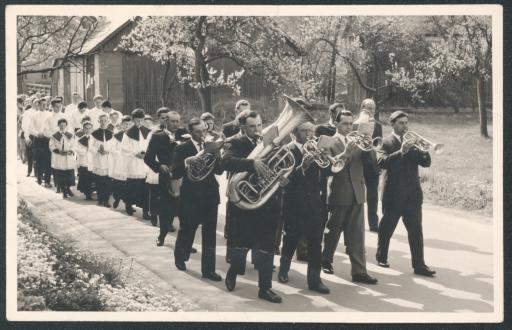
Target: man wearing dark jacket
{"points": [[199, 202], [159, 156], [302, 212], [233, 127], [402, 196], [251, 229]]}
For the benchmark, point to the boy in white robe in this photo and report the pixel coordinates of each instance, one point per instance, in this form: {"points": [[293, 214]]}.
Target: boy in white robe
{"points": [[84, 159], [63, 158], [134, 147], [101, 147], [119, 164]]}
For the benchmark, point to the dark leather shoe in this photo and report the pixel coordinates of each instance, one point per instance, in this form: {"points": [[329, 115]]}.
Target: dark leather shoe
{"points": [[269, 295], [374, 229], [384, 264], [70, 193], [424, 271], [228, 259], [364, 278], [58, 190], [302, 257], [88, 198], [193, 250], [48, 185], [145, 215], [107, 204], [154, 220], [172, 229], [116, 203], [64, 195], [213, 277], [282, 277], [159, 242], [230, 280], [320, 288], [129, 210], [327, 267], [180, 265]]}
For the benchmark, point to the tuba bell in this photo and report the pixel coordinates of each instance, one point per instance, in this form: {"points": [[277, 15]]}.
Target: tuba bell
{"points": [[199, 166], [247, 190]]}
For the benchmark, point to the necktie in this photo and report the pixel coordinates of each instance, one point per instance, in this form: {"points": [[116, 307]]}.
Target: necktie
{"points": [[62, 143]]}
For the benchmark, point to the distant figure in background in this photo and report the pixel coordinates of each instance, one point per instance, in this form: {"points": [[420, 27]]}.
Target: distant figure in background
{"points": [[402, 196], [329, 128], [96, 111], [209, 120], [148, 122], [20, 136], [73, 106], [84, 161], [26, 120], [41, 150], [151, 178], [77, 116], [371, 170], [233, 127], [63, 158], [106, 108]]}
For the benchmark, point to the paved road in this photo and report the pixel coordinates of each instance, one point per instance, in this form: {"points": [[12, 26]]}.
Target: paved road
{"points": [[458, 245]]}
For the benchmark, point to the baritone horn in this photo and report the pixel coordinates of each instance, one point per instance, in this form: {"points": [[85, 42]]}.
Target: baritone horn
{"points": [[248, 191], [199, 166], [421, 143], [312, 151]]}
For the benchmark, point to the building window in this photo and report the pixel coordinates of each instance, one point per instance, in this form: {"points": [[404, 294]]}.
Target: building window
{"points": [[25, 76], [43, 75]]}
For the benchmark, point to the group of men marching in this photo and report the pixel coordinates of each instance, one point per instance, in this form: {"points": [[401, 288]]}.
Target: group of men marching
{"points": [[125, 158]]}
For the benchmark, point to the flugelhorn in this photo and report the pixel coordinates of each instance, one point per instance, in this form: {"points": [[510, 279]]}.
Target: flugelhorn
{"points": [[421, 143], [199, 166], [312, 151], [362, 141], [247, 190]]}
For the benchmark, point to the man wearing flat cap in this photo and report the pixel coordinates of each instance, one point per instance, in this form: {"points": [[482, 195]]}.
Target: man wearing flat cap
{"points": [[402, 196]]}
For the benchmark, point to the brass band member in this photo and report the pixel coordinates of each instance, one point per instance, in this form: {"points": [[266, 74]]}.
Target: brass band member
{"points": [[199, 205], [209, 120], [233, 127], [251, 229], [302, 213], [402, 196], [158, 158], [345, 199]]}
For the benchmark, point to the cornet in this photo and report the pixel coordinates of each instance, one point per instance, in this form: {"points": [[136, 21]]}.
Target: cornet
{"points": [[421, 143], [362, 141]]}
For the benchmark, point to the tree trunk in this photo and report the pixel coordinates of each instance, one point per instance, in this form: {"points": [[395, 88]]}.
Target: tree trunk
{"points": [[205, 98], [480, 90], [20, 80], [165, 84]]}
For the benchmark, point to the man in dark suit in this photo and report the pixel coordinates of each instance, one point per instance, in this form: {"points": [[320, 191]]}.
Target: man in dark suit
{"points": [[159, 156], [199, 202], [233, 127], [329, 128], [402, 196], [251, 229], [345, 199], [302, 212]]}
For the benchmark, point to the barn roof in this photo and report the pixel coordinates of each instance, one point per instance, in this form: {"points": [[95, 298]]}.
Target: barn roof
{"points": [[113, 25]]}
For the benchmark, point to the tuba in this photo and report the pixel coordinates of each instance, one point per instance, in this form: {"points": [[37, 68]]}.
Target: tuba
{"points": [[247, 190], [199, 166], [423, 144]]}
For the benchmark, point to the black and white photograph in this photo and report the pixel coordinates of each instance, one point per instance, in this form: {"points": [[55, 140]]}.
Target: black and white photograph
{"points": [[335, 164]]}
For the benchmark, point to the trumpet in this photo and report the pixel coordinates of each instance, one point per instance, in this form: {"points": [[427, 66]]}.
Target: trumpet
{"points": [[312, 151], [421, 143], [363, 141]]}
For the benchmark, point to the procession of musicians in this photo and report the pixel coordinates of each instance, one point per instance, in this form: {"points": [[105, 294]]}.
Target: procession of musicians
{"points": [[293, 187]]}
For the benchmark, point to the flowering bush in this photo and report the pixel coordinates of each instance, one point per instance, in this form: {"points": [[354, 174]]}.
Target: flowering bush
{"points": [[52, 275]]}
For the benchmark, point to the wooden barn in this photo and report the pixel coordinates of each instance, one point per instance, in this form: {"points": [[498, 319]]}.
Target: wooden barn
{"points": [[131, 81]]}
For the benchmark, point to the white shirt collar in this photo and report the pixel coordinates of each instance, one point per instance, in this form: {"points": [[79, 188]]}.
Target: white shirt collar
{"points": [[396, 135]]}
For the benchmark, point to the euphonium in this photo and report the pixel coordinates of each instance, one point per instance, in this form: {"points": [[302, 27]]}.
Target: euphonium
{"points": [[423, 144], [312, 151], [362, 141], [247, 190], [199, 166]]}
